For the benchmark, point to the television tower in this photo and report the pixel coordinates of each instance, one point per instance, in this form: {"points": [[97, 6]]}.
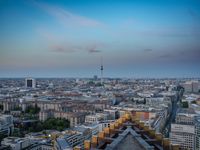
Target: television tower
{"points": [[101, 71]]}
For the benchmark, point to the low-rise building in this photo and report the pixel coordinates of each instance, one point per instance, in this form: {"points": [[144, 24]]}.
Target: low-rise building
{"points": [[72, 138], [96, 117], [93, 127], [41, 146], [74, 117], [62, 144], [16, 143]]}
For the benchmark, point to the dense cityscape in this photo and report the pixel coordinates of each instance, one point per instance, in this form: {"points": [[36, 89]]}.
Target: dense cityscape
{"points": [[64, 113], [99, 75]]}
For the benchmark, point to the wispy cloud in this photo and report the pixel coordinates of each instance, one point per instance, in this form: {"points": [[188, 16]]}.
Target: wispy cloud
{"points": [[66, 17], [94, 51], [93, 48], [70, 48], [193, 53], [167, 33], [148, 50], [185, 55], [65, 49], [62, 49], [54, 45]]}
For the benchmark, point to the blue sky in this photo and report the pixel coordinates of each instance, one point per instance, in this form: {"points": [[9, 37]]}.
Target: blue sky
{"points": [[136, 38]]}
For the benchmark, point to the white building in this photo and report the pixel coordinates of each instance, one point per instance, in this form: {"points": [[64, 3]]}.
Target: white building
{"points": [[185, 118], [197, 131], [72, 138], [113, 114], [96, 117], [16, 143], [191, 86], [93, 127], [104, 124], [184, 135], [195, 86]]}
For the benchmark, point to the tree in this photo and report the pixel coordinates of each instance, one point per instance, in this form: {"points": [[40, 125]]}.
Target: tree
{"points": [[145, 101], [49, 124], [56, 123], [180, 88], [185, 104], [17, 108], [32, 110], [2, 136], [39, 127], [1, 107], [193, 102], [90, 83], [98, 84]]}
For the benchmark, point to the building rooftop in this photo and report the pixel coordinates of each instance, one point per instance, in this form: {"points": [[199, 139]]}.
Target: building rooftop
{"points": [[62, 143], [186, 111], [127, 133], [13, 140], [129, 139]]}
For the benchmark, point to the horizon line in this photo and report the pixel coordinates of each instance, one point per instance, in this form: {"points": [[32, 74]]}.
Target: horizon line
{"points": [[42, 77]]}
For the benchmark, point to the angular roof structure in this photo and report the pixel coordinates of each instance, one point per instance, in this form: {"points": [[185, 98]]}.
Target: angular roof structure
{"points": [[128, 133], [129, 139]]}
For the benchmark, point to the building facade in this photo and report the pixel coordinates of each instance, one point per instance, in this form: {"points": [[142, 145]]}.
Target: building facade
{"points": [[184, 135], [30, 83]]}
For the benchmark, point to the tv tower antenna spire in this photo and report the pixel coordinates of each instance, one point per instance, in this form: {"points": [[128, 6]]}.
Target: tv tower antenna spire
{"points": [[101, 70]]}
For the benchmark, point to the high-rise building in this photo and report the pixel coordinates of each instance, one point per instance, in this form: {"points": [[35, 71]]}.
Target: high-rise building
{"points": [[183, 130], [191, 86], [184, 135], [30, 83], [197, 131], [95, 77], [195, 86]]}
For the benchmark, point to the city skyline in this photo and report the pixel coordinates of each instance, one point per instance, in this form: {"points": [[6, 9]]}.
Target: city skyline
{"points": [[68, 38]]}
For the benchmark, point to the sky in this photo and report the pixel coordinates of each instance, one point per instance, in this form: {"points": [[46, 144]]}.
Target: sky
{"points": [[134, 38]]}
